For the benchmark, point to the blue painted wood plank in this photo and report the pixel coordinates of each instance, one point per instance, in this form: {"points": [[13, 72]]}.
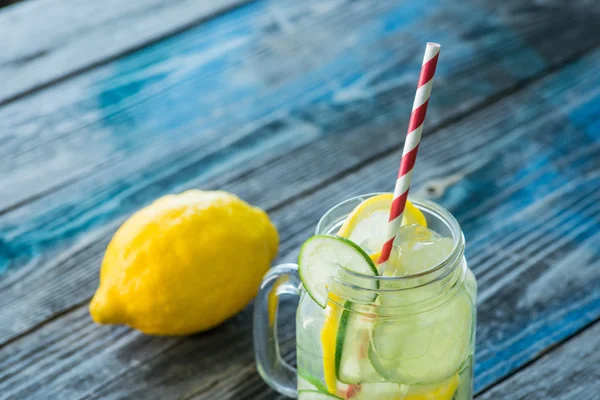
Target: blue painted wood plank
{"points": [[569, 373], [216, 100], [473, 167]]}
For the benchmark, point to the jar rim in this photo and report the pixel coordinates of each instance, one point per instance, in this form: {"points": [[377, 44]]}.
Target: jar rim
{"points": [[453, 258]]}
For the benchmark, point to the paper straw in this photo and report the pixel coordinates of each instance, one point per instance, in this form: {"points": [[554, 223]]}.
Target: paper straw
{"points": [[411, 146]]}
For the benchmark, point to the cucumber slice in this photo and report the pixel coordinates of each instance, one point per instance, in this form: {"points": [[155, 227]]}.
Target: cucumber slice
{"points": [[424, 348], [308, 382], [315, 395], [320, 257], [352, 363]]}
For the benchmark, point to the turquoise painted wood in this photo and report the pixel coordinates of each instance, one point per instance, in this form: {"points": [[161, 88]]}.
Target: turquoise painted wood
{"points": [[246, 100]]}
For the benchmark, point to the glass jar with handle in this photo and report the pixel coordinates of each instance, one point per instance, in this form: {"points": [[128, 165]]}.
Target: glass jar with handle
{"points": [[376, 336]]}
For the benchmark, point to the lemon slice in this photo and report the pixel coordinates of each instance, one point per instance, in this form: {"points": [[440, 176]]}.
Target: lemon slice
{"points": [[443, 391], [328, 340], [366, 224]]}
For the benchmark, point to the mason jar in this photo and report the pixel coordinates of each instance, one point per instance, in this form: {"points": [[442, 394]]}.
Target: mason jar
{"points": [[412, 338]]}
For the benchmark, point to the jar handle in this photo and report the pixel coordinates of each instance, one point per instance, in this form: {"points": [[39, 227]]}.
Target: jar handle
{"points": [[282, 279]]}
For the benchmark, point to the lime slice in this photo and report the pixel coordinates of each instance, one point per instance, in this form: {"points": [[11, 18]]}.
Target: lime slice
{"points": [[315, 395], [323, 256]]}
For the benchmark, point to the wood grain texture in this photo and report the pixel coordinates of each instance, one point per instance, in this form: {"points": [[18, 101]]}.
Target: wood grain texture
{"points": [[219, 352], [43, 41], [236, 71], [568, 373], [90, 167], [507, 162], [512, 159]]}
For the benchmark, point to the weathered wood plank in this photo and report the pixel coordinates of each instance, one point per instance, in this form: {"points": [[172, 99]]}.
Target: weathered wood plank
{"points": [[474, 165], [569, 372], [108, 342], [125, 159], [43, 41]]}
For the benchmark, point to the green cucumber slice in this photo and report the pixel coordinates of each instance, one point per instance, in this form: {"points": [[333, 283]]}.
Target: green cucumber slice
{"points": [[315, 395], [352, 363], [424, 348], [320, 257], [308, 382]]}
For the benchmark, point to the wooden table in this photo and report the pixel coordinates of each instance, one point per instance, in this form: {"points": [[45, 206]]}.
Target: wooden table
{"points": [[294, 106]]}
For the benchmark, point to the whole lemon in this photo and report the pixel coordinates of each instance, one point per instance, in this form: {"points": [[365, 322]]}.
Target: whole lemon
{"points": [[184, 264]]}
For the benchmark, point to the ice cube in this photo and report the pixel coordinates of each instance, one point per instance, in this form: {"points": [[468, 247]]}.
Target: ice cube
{"points": [[417, 249]]}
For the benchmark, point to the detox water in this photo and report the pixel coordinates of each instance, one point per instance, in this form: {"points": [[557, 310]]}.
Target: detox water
{"points": [[411, 339]]}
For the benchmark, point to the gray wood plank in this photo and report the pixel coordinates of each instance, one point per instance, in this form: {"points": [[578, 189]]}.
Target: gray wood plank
{"points": [[88, 177], [569, 372], [503, 162], [46, 40]]}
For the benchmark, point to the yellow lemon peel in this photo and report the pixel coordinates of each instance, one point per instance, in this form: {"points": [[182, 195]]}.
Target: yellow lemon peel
{"points": [[184, 264]]}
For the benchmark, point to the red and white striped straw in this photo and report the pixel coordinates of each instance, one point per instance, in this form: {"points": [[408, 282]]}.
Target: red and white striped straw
{"points": [[411, 146]]}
